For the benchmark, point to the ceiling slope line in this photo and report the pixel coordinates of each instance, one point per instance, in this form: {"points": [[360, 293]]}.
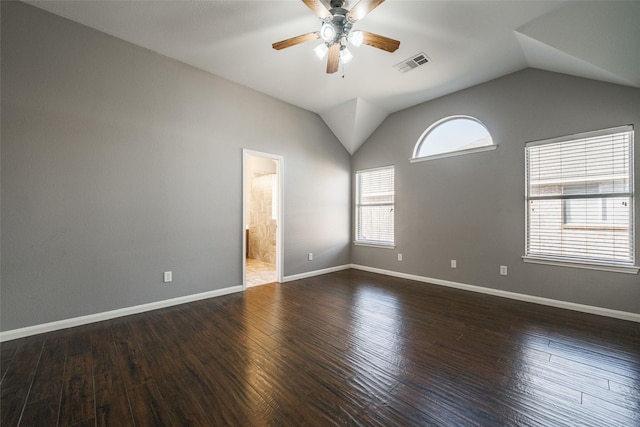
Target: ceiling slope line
{"points": [[544, 57], [354, 121]]}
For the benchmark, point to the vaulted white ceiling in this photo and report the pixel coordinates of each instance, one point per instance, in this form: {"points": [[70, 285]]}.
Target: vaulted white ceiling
{"points": [[468, 42]]}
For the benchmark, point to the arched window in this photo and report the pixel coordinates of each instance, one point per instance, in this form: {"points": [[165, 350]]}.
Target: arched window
{"points": [[453, 136]]}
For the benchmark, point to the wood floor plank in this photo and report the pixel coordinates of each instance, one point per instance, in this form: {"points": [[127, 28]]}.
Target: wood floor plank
{"points": [[49, 378], [631, 392], [221, 395], [395, 412], [184, 396], [8, 349], [148, 406], [80, 339], [133, 363], [587, 356], [42, 413], [77, 403], [626, 414], [349, 348], [446, 407], [103, 350], [574, 380], [112, 402], [599, 372], [16, 383]]}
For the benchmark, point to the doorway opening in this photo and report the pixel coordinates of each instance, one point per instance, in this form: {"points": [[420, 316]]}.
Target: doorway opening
{"points": [[262, 213]]}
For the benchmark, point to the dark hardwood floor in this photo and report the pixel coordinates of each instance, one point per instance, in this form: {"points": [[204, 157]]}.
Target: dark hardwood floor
{"points": [[348, 348]]}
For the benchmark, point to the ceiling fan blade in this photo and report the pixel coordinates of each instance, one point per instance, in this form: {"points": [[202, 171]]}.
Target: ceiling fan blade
{"points": [[334, 58], [362, 8], [381, 42], [295, 40], [318, 8]]}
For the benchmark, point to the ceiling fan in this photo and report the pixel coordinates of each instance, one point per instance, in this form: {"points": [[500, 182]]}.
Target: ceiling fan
{"points": [[336, 30]]}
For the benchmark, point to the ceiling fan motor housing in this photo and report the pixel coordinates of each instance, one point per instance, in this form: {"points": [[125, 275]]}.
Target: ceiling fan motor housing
{"points": [[340, 23]]}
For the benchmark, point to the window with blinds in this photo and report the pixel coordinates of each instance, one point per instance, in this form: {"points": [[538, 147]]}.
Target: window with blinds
{"points": [[375, 206], [580, 197]]}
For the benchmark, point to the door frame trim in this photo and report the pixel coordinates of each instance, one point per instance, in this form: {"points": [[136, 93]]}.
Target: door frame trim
{"points": [[279, 214]]}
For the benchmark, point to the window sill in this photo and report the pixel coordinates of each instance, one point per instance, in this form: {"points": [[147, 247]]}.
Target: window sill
{"points": [[453, 153], [615, 268], [375, 245]]}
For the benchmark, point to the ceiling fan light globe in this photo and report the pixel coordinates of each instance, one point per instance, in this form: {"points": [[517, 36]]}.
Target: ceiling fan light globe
{"points": [[321, 51], [327, 31], [356, 38], [345, 56]]}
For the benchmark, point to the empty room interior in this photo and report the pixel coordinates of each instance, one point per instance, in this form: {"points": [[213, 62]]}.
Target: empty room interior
{"points": [[319, 212]]}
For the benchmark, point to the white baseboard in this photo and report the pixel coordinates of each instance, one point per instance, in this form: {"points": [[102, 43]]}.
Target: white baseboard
{"points": [[83, 320], [98, 317], [106, 315], [315, 273], [633, 317]]}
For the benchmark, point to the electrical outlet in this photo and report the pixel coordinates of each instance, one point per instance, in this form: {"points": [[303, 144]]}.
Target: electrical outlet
{"points": [[503, 270], [168, 276], [399, 257], [310, 256], [454, 263]]}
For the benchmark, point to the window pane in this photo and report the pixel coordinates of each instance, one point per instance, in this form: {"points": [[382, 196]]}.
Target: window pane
{"points": [[580, 204], [453, 134], [597, 212], [374, 205], [376, 223], [585, 166]]}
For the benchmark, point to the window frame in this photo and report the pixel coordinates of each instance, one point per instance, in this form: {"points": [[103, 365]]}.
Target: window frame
{"points": [[566, 261], [358, 241], [415, 158]]}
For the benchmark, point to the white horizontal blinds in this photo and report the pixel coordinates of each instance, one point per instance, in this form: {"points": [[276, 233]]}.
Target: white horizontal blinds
{"points": [[580, 197], [374, 205]]}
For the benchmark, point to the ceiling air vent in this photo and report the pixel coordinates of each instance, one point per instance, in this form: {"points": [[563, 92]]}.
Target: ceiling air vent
{"points": [[413, 62]]}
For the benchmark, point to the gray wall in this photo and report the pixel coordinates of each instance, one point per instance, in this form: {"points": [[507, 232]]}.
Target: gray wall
{"points": [[119, 163], [471, 208]]}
